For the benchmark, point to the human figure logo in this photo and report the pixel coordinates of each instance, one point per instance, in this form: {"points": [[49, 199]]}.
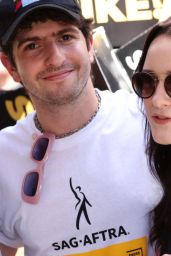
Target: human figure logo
{"points": [[81, 204]]}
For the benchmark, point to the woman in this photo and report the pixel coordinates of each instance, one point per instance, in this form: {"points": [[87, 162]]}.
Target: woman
{"points": [[152, 83]]}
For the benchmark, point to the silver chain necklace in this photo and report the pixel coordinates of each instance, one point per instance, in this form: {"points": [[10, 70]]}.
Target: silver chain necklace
{"points": [[39, 127]]}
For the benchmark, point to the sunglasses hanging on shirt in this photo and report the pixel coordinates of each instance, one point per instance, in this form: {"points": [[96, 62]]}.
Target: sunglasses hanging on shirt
{"points": [[32, 182]]}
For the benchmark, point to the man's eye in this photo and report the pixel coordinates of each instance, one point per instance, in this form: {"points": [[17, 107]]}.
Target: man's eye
{"points": [[31, 46], [66, 37]]}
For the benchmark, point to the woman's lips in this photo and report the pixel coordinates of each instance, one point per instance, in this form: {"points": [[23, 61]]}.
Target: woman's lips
{"points": [[159, 119]]}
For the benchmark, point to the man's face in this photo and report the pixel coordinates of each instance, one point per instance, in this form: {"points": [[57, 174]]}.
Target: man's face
{"points": [[52, 61]]}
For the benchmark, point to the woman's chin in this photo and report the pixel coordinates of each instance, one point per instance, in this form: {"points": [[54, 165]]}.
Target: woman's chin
{"points": [[163, 140]]}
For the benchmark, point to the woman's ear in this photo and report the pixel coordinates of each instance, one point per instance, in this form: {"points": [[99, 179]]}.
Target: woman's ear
{"points": [[11, 68]]}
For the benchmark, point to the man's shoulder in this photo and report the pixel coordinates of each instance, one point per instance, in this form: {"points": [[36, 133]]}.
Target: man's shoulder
{"points": [[121, 94], [122, 100]]}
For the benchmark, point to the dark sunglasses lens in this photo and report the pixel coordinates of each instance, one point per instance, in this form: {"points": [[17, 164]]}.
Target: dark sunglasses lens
{"points": [[168, 85], [143, 84], [30, 184], [40, 148]]}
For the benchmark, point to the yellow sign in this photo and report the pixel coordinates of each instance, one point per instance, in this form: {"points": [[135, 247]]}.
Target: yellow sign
{"points": [[20, 108], [136, 247], [135, 10]]}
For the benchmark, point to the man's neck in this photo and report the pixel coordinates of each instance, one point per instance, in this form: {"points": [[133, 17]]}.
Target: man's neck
{"points": [[69, 118]]}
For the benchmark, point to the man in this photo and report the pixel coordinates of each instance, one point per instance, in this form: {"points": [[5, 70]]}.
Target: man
{"points": [[86, 189]]}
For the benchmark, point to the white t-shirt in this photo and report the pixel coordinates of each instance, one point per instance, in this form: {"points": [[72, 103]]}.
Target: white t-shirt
{"points": [[97, 190]]}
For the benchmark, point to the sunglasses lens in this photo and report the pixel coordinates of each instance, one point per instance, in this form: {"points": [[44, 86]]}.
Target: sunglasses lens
{"points": [[143, 84], [30, 184], [168, 85], [39, 149]]}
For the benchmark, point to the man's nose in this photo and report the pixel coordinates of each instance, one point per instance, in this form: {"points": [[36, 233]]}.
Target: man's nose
{"points": [[55, 54]]}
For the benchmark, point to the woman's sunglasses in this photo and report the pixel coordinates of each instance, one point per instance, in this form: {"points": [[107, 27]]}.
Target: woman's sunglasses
{"points": [[144, 84], [32, 182]]}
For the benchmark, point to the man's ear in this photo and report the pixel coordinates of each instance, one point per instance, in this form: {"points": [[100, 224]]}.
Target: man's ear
{"points": [[11, 69], [91, 49]]}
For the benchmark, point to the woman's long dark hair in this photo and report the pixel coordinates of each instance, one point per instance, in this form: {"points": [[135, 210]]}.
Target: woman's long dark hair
{"points": [[159, 157]]}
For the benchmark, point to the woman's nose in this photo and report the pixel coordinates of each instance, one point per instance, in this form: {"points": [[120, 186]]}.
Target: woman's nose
{"points": [[160, 98]]}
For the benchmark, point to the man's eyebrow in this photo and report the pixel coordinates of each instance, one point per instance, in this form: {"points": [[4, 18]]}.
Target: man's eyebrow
{"points": [[23, 40], [68, 30], [26, 39]]}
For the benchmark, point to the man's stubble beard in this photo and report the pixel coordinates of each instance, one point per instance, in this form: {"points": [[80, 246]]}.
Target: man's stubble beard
{"points": [[60, 97], [57, 99]]}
